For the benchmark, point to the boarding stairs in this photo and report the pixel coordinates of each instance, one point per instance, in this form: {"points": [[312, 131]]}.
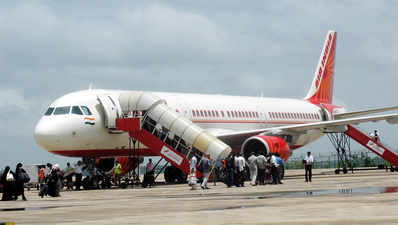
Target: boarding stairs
{"points": [[165, 132], [376, 147]]}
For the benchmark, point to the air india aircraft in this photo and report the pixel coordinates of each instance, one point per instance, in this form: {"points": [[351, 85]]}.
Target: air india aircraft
{"points": [[82, 124]]}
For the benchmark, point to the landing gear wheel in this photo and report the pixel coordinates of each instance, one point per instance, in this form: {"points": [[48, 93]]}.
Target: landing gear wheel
{"points": [[337, 171], [345, 170]]}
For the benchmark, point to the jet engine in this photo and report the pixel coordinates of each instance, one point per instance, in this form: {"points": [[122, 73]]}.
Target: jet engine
{"points": [[266, 144]]}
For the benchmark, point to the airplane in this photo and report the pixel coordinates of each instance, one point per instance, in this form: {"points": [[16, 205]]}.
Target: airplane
{"points": [[82, 123]]}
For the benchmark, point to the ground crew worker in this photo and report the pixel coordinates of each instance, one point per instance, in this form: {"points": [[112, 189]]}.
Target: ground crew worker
{"points": [[42, 175], [253, 169], [308, 161], [149, 166], [117, 171]]}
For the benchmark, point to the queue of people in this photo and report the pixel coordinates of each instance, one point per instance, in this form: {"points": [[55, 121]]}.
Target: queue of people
{"points": [[262, 169], [13, 183]]}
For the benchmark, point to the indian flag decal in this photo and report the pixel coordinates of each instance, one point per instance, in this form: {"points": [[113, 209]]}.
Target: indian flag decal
{"points": [[89, 121]]}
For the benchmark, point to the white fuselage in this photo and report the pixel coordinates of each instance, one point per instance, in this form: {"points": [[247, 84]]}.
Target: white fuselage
{"points": [[73, 134]]}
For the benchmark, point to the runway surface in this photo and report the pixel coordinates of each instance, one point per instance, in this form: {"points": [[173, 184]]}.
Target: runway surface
{"points": [[366, 197]]}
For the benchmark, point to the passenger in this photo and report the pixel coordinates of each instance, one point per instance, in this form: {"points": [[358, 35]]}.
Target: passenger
{"points": [[205, 164], [48, 169], [68, 173], [274, 170], [8, 181], [21, 177], [236, 171], [280, 164], [230, 170], [54, 182], [308, 161], [242, 164], [192, 171], [261, 160], [253, 169], [117, 173], [78, 174]]}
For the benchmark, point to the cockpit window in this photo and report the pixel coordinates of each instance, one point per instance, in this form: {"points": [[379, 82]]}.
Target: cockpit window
{"points": [[62, 110], [76, 110], [49, 111], [86, 110]]}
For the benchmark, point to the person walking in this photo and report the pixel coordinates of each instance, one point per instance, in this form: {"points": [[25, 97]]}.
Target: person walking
{"points": [[261, 160], [253, 169], [308, 161], [21, 178], [8, 180], [205, 164], [192, 172]]}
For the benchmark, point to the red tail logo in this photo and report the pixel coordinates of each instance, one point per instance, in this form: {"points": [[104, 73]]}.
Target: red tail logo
{"points": [[322, 86]]}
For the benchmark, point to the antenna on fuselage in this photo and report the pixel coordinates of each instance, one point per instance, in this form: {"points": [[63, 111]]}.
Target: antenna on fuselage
{"points": [[90, 86]]}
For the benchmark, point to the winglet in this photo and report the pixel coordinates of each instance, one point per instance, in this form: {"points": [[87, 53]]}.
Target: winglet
{"points": [[322, 86]]}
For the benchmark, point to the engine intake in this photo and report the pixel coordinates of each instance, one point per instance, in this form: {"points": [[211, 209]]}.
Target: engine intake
{"points": [[262, 144]]}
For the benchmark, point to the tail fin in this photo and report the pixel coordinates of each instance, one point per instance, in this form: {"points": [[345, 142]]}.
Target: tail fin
{"points": [[322, 86]]}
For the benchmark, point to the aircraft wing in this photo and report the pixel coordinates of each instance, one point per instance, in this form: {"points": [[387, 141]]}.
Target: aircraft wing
{"points": [[237, 137], [362, 113]]}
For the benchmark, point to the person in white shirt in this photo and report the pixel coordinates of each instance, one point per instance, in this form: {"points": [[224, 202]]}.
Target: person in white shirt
{"points": [[253, 169], [241, 172], [274, 170], [192, 169], [308, 161]]}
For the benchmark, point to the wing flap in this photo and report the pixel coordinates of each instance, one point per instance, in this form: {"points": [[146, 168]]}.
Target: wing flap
{"points": [[363, 113]]}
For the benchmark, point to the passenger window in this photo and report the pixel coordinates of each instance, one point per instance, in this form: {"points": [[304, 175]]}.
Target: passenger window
{"points": [[49, 111], [62, 110], [86, 110], [76, 110]]}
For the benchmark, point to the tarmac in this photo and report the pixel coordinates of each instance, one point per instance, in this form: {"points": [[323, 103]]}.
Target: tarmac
{"points": [[365, 197]]}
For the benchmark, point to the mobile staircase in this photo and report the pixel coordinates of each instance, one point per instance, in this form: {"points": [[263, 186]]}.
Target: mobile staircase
{"points": [[165, 132], [342, 142]]}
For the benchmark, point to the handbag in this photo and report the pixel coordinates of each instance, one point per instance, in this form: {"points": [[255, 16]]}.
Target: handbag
{"points": [[26, 178], [10, 177]]}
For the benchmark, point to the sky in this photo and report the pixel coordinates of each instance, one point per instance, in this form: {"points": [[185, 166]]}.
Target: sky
{"points": [[253, 48]]}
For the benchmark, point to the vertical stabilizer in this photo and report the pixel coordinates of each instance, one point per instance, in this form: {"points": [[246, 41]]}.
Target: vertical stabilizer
{"points": [[322, 86]]}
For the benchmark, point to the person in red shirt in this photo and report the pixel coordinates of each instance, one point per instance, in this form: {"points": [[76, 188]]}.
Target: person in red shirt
{"points": [[42, 174]]}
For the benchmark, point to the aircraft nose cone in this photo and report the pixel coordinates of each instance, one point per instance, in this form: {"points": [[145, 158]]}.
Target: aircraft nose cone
{"points": [[44, 134]]}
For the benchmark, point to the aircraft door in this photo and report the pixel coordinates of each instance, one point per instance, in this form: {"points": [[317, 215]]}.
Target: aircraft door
{"points": [[111, 108]]}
